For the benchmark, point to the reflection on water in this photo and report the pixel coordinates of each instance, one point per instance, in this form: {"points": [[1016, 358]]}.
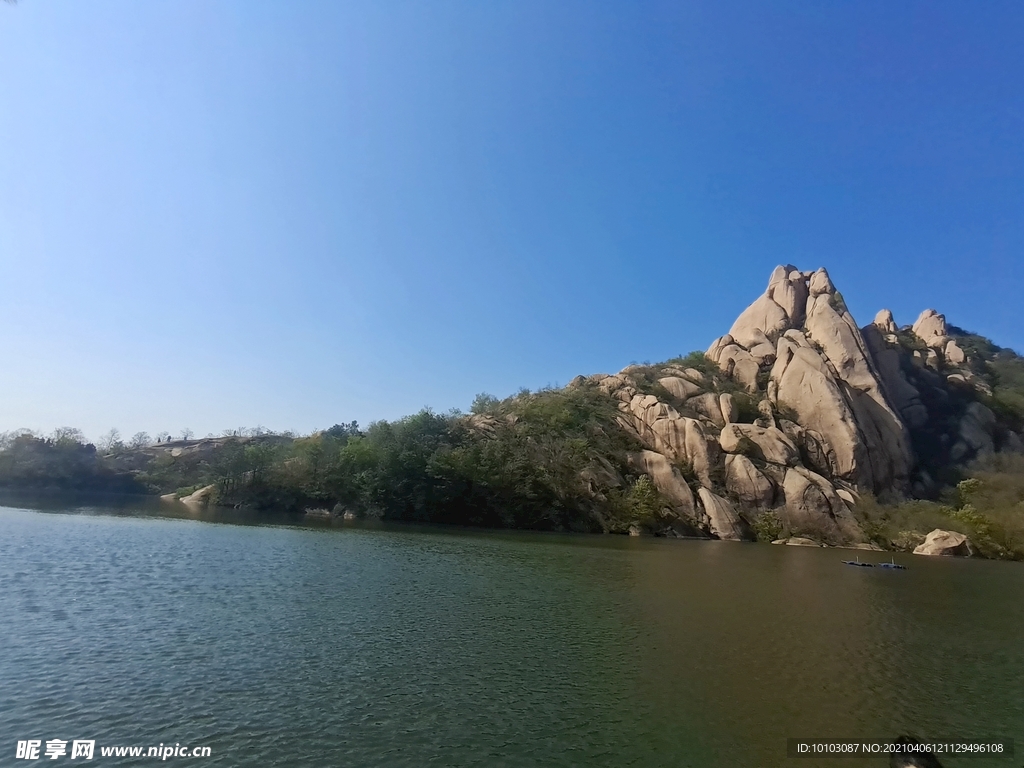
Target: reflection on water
{"points": [[372, 646], [775, 641]]}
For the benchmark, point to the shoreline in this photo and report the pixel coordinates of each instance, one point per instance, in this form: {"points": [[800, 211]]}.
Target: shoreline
{"points": [[52, 501]]}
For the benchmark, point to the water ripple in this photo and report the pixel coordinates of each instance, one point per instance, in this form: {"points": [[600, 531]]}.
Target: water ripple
{"points": [[294, 647]]}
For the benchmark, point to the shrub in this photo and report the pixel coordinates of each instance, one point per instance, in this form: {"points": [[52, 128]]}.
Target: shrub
{"points": [[644, 501], [746, 408], [907, 541], [767, 526], [698, 361]]}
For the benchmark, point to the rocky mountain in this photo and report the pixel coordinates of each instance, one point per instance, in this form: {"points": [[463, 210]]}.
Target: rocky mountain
{"points": [[796, 424], [797, 412]]}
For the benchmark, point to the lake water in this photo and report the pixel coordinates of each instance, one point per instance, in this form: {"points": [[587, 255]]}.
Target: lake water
{"points": [[392, 646]]}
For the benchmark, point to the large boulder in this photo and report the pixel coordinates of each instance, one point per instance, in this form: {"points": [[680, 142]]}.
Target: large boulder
{"points": [[669, 482], [885, 322], [679, 387], [708, 405], [200, 498], [946, 544], [723, 519], [746, 484], [717, 346], [789, 291], [931, 329], [821, 283], [814, 452], [661, 428], [813, 506], [762, 319], [730, 411], [736, 362], [770, 444], [953, 354]]}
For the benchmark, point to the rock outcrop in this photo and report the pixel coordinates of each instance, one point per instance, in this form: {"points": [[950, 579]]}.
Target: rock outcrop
{"points": [[724, 521], [945, 543], [199, 498], [931, 329], [745, 482], [670, 483], [824, 373], [802, 412]]}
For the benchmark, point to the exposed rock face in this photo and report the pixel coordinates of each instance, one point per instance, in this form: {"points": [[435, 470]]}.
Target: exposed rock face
{"points": [[769, 444], [681, 438], [746, 483], [761, 322], [728, 405], [931, 329], [806, 412], [888, 362], [953, 354], [935, 391], [813, 506], [824, 373], [885, 322], [945, 543], [977, 428], [724, 520], [738, 363], [669, 482], [708, 405], [199, 498], [679, 387]]}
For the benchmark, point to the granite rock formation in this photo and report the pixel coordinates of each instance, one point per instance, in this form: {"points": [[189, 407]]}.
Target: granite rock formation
{"points": [[802, 412]]}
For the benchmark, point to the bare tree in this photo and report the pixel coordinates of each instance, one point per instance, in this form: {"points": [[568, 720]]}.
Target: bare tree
{"points": [[187, 434], [8, 438], [140, 440], [65, 436], [111, 441]]}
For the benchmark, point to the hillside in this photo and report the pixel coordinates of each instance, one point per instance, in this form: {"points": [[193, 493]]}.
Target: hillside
{"points": [[796, 423]]}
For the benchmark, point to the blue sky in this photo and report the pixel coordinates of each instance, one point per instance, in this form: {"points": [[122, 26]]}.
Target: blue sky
{"points": [[218, 214]]}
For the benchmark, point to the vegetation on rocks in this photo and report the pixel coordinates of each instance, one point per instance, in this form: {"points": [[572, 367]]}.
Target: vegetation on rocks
{"points": [[987, 506], [797, 422]]}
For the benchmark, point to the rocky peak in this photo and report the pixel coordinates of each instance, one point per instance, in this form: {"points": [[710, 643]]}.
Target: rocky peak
{"points": [[932, 383], [804, 411], [885, 322], [931, 329], [799, 340]]}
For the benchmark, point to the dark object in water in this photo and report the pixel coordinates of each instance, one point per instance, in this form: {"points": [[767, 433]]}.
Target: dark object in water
{"points": [[892, 565], [857, 562], [913, 758]]}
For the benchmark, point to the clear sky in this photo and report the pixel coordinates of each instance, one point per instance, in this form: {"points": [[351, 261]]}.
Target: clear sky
{"points": [[217, 214]]}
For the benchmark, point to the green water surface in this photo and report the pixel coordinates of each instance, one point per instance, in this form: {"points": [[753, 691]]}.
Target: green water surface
{"points": [[391, 646]]}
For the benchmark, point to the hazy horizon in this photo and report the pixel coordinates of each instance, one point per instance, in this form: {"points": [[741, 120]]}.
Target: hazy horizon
{"points": [[224, 214]]}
